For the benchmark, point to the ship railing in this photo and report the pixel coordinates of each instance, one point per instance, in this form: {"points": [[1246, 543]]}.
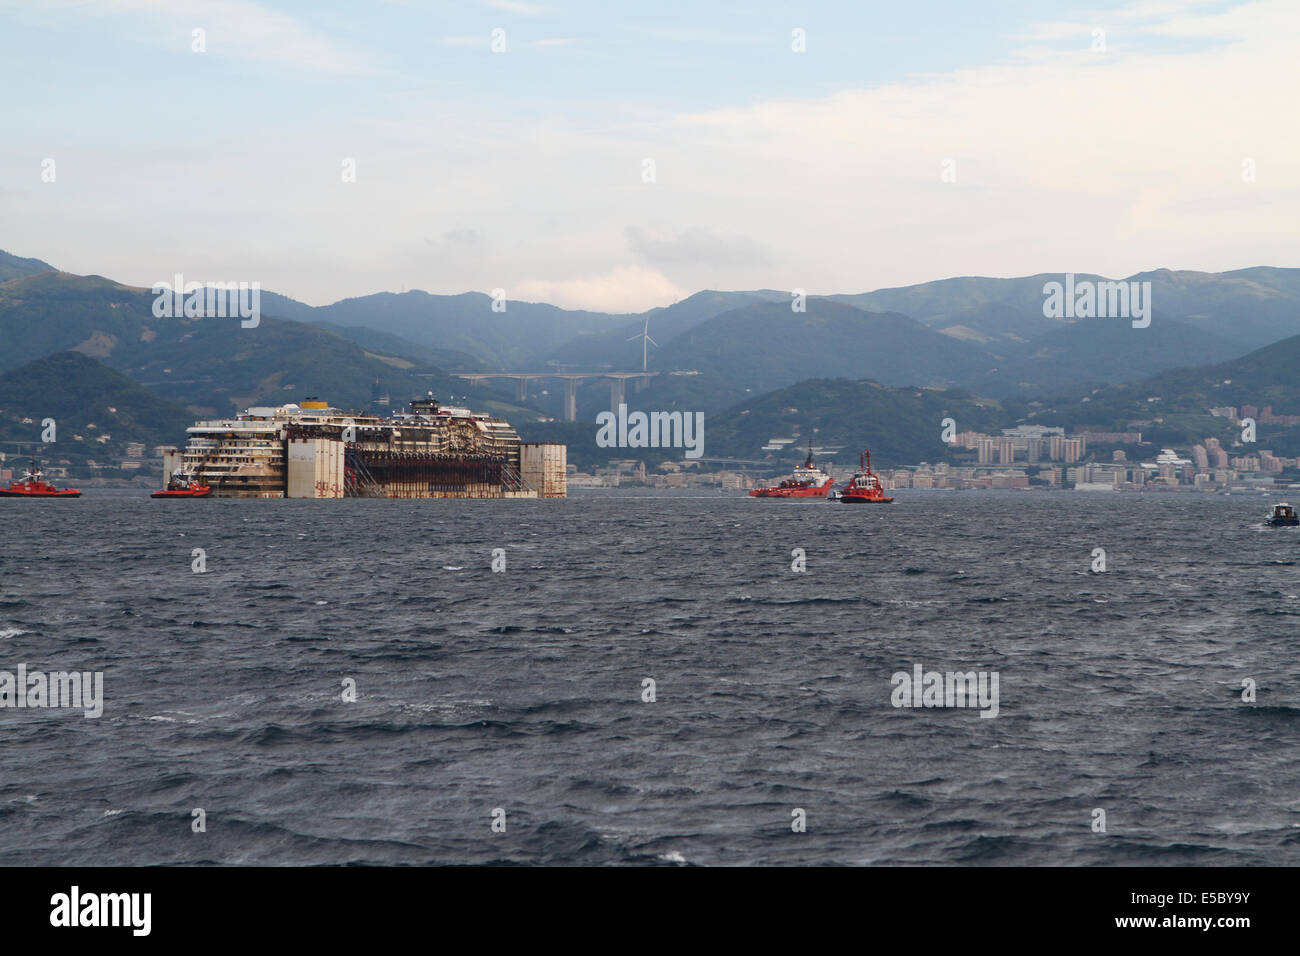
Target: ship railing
{"points": [[358, 482], [513, 480]]}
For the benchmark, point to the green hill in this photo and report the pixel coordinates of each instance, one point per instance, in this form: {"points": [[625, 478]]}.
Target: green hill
{"points": [[1172, 407], [1092, 352], [212, 366], [900, 425], [13, 267], [98, 413]]}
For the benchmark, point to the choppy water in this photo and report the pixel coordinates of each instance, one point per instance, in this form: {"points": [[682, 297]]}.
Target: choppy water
{"points": [[522, 689]]}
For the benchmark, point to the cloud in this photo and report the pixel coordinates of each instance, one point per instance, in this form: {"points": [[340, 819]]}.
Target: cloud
{"points": [[462, 237], [1108, 162], [1070, 160], [466, 42], [622, 289], [697, 245], [247, 30], [240, 29], [514, 6]]}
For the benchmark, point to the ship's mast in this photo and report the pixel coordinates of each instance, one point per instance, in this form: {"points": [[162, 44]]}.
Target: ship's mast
{"points": [[865, 460]]}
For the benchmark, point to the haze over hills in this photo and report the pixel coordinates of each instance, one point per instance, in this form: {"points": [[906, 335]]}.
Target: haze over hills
{"points": [[1242, 309], [1255, 306], [764, 346], [744, 342], [372, 340], [1076, 357], [620, 346], [516, 337]]}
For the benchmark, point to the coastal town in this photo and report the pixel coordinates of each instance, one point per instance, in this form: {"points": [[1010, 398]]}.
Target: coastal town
{"points": [[1030, 457]]}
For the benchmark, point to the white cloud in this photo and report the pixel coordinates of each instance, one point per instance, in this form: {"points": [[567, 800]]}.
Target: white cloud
{"points": [[466, 42], [514, 6], [623, 289], [696, 245], [1101, 162], [235, 28], [1067, 161]]}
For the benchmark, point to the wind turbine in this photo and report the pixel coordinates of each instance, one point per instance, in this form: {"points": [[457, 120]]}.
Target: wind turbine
{"points": [[645, 338]]}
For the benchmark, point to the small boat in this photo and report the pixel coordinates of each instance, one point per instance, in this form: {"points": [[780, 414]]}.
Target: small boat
{"points": [[864, 487], [1283, 516], [807, 481], [183, 486], [34, 485]]}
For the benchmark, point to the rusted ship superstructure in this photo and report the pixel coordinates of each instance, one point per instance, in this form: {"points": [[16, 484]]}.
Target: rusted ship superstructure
{"points": [[312, 450]]}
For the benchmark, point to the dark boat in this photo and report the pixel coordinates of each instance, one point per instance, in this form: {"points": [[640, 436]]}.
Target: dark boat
{"points": [[1283, 516], [34, 485]]}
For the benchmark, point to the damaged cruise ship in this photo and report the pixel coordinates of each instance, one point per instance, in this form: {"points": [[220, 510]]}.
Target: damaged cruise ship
{"points": [[312, 450]]}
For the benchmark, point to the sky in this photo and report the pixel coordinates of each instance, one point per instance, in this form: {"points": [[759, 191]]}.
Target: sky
{"points": [[622, 156]]}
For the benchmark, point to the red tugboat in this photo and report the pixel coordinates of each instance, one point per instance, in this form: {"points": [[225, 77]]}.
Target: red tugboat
{"points": [[808, 481], [183, 486], [33, 485], [865, 485]]}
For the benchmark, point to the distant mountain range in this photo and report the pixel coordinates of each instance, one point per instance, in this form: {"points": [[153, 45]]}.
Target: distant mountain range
{"points": [[210, 366], [722, 353], [1250, 306], [984, 334]]}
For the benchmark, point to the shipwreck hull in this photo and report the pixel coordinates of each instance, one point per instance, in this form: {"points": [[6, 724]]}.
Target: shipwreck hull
{"points": [[321, 452]]}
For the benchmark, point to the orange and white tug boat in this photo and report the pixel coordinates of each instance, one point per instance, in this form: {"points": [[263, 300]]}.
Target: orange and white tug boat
{"points": [[183, 486], [807, 481], [34, 485], [864, 486]]}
